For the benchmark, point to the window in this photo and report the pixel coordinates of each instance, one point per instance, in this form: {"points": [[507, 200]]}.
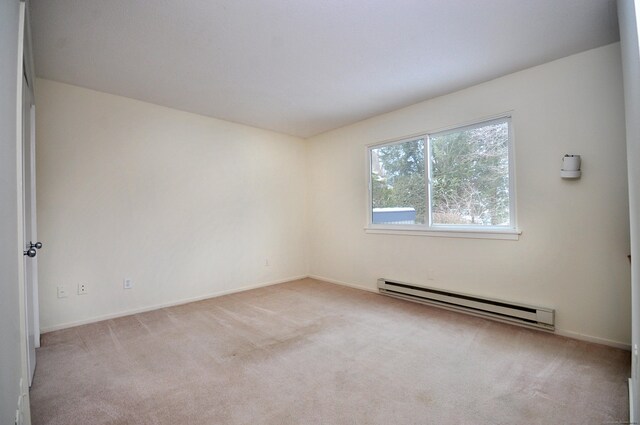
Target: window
{"points": [[459, 180]]}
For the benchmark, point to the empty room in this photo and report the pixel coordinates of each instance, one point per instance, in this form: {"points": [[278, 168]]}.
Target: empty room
{"points": [[319, 212]]}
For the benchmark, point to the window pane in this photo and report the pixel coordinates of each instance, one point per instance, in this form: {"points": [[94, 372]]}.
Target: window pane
{"points": [[398, 183], [470, 176]]}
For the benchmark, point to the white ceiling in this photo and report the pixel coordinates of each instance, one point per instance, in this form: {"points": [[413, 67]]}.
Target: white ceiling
{"points": [[303, 67]]}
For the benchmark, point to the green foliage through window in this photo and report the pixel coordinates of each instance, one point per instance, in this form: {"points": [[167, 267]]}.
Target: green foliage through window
{"points": [[469, 171], [398, 180]]}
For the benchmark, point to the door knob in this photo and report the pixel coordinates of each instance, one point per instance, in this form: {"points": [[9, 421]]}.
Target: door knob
{"points": [[31, 252]]}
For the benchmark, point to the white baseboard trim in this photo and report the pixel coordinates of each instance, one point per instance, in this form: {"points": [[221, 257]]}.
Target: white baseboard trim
{"points": [[561, 332], [341, 283], [164, 305], [594, 339]]}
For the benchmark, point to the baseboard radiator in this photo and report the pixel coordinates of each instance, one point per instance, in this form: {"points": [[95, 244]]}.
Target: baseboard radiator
{"points": [[504, 311]]}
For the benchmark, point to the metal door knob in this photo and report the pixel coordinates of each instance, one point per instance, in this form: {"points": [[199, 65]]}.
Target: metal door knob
{"points": [[31, 252], [36, 245]]}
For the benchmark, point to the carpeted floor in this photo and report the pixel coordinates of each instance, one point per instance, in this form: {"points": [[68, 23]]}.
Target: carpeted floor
{"points": [[309, 352]]}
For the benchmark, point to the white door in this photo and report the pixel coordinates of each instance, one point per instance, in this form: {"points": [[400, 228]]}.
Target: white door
{"points": [[30, 237]]}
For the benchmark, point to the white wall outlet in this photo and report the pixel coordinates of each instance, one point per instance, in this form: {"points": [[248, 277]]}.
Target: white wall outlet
{"points": [[127, 283], [82, 288], [62, 291], [266, 262]]}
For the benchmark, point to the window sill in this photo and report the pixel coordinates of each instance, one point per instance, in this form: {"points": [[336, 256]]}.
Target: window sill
{"points": [[501, 234]]}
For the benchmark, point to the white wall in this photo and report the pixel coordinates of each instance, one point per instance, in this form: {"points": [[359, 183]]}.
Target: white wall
{"points": [[186, 206], [572, 254]]}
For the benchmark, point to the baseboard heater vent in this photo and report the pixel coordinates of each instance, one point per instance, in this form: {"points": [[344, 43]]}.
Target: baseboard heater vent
{"points": [[525, 315]]}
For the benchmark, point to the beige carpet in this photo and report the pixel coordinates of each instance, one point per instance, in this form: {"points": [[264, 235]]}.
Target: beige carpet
{"points": [[308, 352]]}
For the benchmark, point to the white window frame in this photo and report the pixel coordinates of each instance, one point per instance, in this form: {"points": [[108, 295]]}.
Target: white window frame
{"points": [[510, 232]]}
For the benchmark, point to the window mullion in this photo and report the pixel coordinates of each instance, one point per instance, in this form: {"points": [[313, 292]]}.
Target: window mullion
{"points": [[427, 178]]}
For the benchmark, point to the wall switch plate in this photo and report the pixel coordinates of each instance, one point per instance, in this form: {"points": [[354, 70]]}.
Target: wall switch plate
{"points": [[62, 291], [127, 283], [82, 288]]}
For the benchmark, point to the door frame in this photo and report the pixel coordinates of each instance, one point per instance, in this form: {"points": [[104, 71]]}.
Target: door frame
{"points": [[24, 67], [629, 23], [29, 73], [28, 192]]}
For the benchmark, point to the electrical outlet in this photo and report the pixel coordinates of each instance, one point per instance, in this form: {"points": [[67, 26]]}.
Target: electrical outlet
{"points": [[82, 288], [62, 291], [127, 283], [266, 262]]}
